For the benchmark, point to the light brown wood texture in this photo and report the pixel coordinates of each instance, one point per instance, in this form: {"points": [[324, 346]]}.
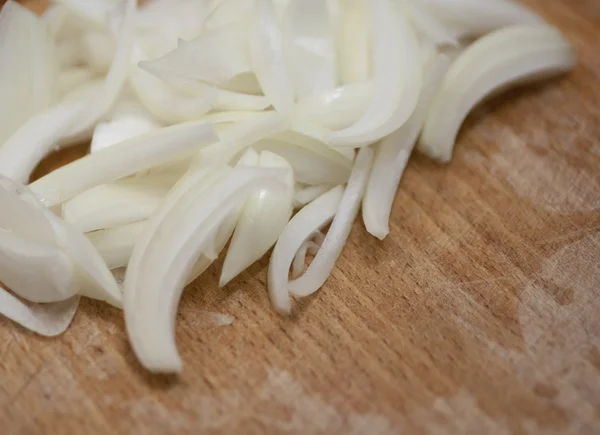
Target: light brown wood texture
{"points": [[479, 314]]}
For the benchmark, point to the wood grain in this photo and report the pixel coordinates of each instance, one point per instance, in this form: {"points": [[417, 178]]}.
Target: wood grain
{"points": [[477, 315]]}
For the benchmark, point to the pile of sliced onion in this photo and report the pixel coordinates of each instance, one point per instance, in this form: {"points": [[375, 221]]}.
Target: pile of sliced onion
{"points": [[266, 124]]}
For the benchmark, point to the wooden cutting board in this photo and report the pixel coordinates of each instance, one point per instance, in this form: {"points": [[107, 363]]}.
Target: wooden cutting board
{"points": [[479, 314]]}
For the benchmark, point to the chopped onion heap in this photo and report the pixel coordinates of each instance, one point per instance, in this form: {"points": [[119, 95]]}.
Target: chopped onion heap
{"points": [[260, 122]]}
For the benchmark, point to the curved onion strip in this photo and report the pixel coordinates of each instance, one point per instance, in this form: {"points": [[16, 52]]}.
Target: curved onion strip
{"points": [[338, 108], [308, 37], [22, 210], [335, 240], [266, 55], [226, 12], [309, 167], [308, 247], [48, 320], [353, 42], [214, 57], [472, 18], [167, 260], [28, 70], [396, 83], [306, 194], [264, 215], [53, 271], [501, 59], [167, 103], [116, 204], [122, 160], [115, 245], [236, 138], [184, 193], [428, 26], [116, 76], [392, 154], [311, 218], [37, 138], [310, 141]]}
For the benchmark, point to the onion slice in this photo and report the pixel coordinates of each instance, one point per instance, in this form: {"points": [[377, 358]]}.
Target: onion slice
{"points": [[116, 76], [267, 57], [501, 59], [473, 18], [396, 82], [392, 154], [166, 261], [263, 217], [215, 57], [309, 219], [37, 138], [115, 245], [116, 204], [308, 38], [48, 320], [28, 70], [335, 240], [122, 160], [29, 223]]}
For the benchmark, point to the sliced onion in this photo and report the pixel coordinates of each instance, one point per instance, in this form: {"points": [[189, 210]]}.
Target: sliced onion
{"points": [[310, 167], [308, 247], [392, 155], [168, 104], [396, 82], [264, 215], [115, 245], [428, 26], [215, 57], [226, 12], [116, 204], [166, 261], [308, 41], [28, 221], [307, 193], [48, 320], [128, 119], [122, 160], [116, 76], [37, 138], [236, 138], [180, 18], [267, 57], [311, 218], [501, 59], [338, 108], [324, 262], [28, 70], [354, 42], [472, 18]]}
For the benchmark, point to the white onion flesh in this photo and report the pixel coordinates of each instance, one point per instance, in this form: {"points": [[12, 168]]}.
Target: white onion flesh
{"points": [[116, 204], [301, 227], [308, 41], [121, 160], [28, 68], [212, 120], [167, 259], [324, 262], [263, 217], [392, 154], [267, 57], [115, 245], [48, 320], [503, 58]]}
